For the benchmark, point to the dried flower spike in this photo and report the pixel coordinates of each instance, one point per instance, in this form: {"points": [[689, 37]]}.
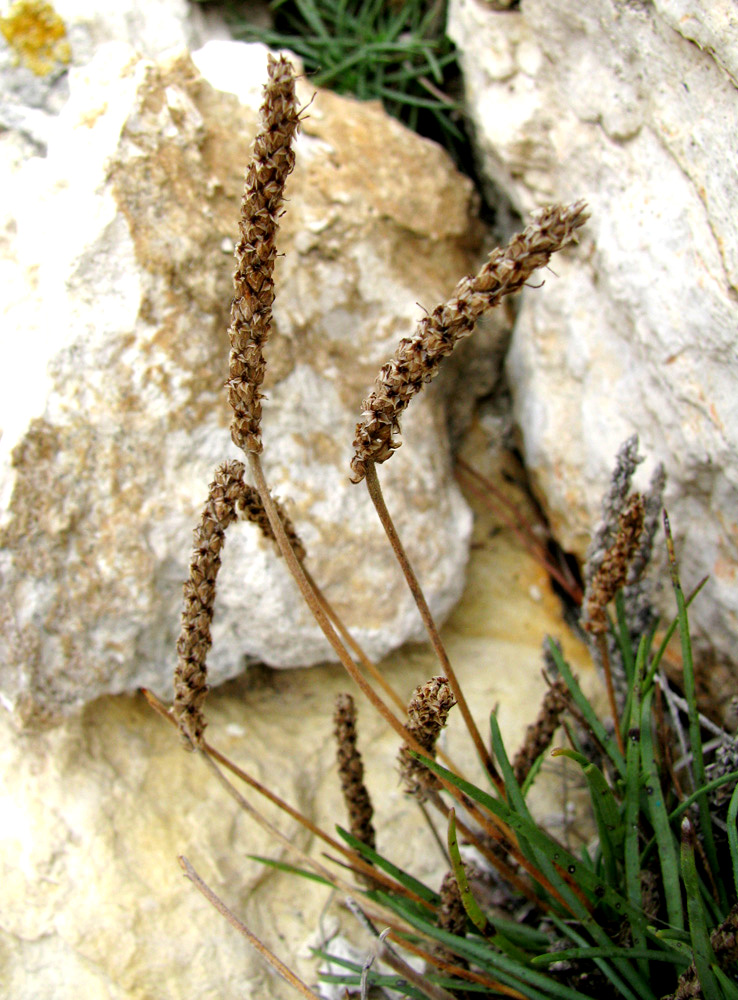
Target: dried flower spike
{"points": [[451, 913], [351, 772], [541, 732], [252, 509], [613, 569], [417, 359], [626, 462], [190, 675], [251, 309], [426, 717]]}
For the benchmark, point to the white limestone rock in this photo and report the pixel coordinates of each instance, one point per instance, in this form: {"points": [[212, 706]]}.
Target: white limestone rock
{"points": [[117, 268], [613, 102], [96, 811]]}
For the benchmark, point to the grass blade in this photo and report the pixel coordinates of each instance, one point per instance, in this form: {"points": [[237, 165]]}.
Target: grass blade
{"points": [[704, 956], [401, 876], [589, 714], [665, 841], [535, 985], [633, 808], [282, 866], [695, 734], [733, 833], [471, 906], [606, 813], [583, 874]]}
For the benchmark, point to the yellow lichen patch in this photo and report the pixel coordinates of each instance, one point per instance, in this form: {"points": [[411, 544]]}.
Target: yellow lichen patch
{"points": [[37, 35]]}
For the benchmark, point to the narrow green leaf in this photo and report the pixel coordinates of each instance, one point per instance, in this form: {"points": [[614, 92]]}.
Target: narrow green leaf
{"points": [[471, 906], [292, 869], [704, 956], [730, 990], [665, 841], [724, 779], [535, 985], [695, 733], [606, 812], [623, 989], [397, 873], [733, 833], [622, 634], [404, 97], [553, 854], [656, 661], [589, 951], [529, 830], [590, 716], [632, 809], [533, 773]]}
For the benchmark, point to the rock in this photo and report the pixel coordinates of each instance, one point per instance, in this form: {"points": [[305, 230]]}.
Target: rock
{"points": [[118, 267], [96, 811], [614, 102]]}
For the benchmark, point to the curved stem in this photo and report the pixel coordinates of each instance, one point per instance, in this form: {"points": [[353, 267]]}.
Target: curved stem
{"points": [[375, 492], [370, 667], [353, 645], [358, 862], [295, 567], [277, 964], [607, 670]]}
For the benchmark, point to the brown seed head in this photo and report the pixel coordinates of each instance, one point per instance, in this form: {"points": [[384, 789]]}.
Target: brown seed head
{"points": [[418, 358], [426, 716], [539, 735], [351, 772], [252, 509], [251, 310], [190, 675], [451, 914], [613, 570]]}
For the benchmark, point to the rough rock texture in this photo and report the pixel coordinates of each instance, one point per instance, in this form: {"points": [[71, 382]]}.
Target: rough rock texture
{"points": [[113, 412], [96, 811], [634, 107]]}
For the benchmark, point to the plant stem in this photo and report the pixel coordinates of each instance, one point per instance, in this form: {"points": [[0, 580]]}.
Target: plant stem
{"points": [[375, 492], [496, 833], [313, 602], [523, 530], [315, 606], [353, 645], [377, 910], [356, 860], [370, 667], [605, 655], [253, 940]]}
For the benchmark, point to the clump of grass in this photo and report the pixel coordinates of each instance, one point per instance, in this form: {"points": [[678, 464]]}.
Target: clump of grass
{"points": [[397, 53], [650, 907]]}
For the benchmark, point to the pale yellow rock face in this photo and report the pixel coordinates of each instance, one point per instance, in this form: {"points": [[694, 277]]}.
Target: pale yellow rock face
{"points": [[96, 811]]}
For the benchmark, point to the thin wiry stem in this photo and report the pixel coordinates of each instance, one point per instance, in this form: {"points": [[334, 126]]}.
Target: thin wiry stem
{"points": [[297, 571], [370, 667], [352, 644], [489, 824], [363, 867], [503, 835], [610, 687], [279, 967], [522, 530], [378, 910], [318, 610], [375, 492], [458, 970]]}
